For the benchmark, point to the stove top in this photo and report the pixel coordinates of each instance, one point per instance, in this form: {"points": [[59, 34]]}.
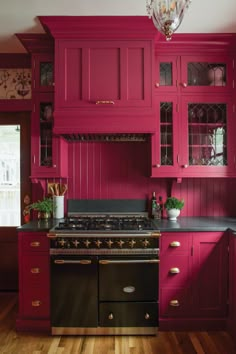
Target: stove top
{"points": [[106, 223]]}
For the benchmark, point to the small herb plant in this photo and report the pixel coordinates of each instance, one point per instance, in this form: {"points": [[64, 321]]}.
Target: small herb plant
{"points": [[43, 206], [174, 203]]}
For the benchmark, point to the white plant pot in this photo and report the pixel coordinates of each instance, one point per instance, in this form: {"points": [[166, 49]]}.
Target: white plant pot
{"points": [[173, 214]]}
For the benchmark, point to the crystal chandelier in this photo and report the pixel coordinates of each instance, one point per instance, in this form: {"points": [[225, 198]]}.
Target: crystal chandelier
{"points": [[167, 15]]}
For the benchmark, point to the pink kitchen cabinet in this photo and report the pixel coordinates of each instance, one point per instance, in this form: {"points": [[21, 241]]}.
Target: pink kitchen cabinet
{"points": [[232, 285], [34, 288], [193, 280], [194, 85], [43, 72], [49, 153]]}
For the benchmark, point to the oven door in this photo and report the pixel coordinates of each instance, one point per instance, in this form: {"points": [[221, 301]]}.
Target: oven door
{"points": [[128, 292], [74, 291], [127, 278]]}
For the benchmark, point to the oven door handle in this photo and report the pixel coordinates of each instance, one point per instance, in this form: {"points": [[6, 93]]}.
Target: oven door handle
{"points": [[79, 261], [127, 261]]}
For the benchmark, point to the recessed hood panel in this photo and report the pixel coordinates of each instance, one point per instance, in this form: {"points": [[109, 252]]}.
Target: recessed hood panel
{"points": [[106, 137], [103, 74]]}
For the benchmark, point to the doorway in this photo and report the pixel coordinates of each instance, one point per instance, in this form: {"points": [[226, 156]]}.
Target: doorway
{"points": [[14, 186]]}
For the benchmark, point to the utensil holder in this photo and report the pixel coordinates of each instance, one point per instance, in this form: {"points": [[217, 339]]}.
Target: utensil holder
{"points": [[58, 206]]}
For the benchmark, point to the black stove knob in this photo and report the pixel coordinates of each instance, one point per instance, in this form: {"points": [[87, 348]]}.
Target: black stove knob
{"points": [[87, 243], [145, 243], [120, 243], [75, 243], [109, 243], [98, 243], [132, 243]]}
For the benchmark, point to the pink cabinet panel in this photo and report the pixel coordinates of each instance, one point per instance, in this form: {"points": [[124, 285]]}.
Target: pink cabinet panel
{"points": [[34, 287], [193, 277], [232, 285], [210, 274], [104, 86]]}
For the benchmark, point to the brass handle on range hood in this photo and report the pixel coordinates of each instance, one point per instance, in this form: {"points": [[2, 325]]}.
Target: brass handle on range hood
{"points": [[105, 102]]}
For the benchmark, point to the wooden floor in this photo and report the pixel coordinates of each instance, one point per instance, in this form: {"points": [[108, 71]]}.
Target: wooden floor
{"points": [[12, 342]]}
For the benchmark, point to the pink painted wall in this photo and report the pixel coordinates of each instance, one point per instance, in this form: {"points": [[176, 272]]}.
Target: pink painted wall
{"points": [[121, 170]]}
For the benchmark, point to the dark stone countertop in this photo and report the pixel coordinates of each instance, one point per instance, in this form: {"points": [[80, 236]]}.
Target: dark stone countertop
{"points": [[189, 224], [192, 224]]}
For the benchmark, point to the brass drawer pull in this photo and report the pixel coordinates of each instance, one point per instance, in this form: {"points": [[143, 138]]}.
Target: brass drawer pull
{"points": [[174, 270], [174, 303], [147, 316], [35, 270], [35, 244], [36, 303], [175, 244], [105, 102]]}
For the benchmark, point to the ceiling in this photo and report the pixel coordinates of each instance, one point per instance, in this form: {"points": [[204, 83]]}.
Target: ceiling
{"points": [[20, 16]]}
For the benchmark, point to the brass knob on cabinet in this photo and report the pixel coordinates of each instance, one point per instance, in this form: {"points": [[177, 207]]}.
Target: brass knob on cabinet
{"points": [[36, 303], [174, 270], [110, 316], [185, 166], [175, 244], [147, 316], [174, 303], [35, 244], [158, 165], [35, 270], [184, 84], [157, 84]]}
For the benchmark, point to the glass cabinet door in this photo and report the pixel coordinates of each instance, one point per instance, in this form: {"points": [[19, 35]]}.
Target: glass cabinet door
{"points": [[207, 131], [166, 133], [43, 73], [166, 73], [46, 120], [208, 74]]}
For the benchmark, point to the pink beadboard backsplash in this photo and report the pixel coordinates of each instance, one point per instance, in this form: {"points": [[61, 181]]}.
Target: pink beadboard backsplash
{"points": [[121, 171]]}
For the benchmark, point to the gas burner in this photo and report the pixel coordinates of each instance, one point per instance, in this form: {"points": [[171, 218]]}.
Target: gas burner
{"points": [[106, 223]]}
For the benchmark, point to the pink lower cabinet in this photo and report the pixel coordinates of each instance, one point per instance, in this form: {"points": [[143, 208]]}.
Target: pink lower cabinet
{"points": [[34, 289], [232, 285], [193, 280]]}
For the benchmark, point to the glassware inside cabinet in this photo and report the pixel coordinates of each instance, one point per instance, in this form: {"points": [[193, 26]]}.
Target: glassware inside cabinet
{"points": [[207, 130], [206, 74], [166, 132], [46, 124]]}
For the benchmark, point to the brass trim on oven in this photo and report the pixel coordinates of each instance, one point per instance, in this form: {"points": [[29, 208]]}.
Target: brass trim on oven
{"points": [[51, 235], [79, 261], [156, 234], [127, 261]]}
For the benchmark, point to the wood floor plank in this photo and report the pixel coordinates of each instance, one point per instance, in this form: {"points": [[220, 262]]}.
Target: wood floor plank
{"points": [[12, 342]]}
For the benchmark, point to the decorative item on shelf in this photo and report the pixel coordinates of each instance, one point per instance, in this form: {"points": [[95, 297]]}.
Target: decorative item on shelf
{"points": [[44, 208], [216, 75], [173, 206], [167, 15]]}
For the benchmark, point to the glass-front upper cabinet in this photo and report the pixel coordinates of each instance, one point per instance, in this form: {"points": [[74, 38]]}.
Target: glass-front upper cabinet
{"points": [[206, 74], [43, 66], [166, 73], [165, 141], [208, 143], [192, 73]]}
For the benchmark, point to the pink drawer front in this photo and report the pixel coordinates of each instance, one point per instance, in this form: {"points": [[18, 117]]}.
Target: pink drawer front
{"points": [[35, 242]]}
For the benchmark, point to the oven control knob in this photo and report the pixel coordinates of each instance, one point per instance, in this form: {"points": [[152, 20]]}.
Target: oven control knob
{"points": [[62, 242], [120, 243], [145, 243], [98, 243], [87, 243], [75, 243], [132, 243], [109, 243]]}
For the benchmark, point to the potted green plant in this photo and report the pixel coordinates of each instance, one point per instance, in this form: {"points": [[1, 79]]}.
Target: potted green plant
{"points": [[44, 208], [173, 206]]}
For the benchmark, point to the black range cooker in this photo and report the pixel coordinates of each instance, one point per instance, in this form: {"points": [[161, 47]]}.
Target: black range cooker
{"points": [[104, 269]]}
